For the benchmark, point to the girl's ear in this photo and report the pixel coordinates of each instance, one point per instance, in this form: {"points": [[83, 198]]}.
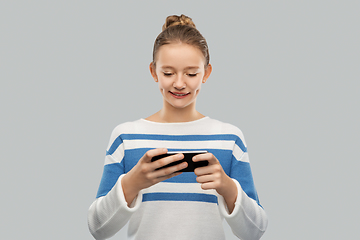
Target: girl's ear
{"points": [[208, 71], [153, 72]]}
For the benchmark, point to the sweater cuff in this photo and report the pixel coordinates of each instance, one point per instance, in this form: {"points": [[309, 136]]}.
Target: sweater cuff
{"points": [[223, 206], [135, 203]]}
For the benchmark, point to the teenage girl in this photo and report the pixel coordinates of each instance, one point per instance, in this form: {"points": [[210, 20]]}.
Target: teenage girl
{"points": [[165, 203]]}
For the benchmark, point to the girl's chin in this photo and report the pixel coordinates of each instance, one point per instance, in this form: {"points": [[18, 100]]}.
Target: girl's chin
{"points": [[179, 105]]}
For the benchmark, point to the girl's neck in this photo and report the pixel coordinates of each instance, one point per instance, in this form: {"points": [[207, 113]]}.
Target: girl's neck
{"points": [[169, 115]]}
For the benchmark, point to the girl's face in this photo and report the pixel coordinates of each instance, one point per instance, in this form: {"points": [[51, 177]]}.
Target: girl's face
{"points": [[180, 72]]}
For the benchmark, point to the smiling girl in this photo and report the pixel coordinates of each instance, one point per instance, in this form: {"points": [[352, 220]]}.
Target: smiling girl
{"points": [[165, 203]]}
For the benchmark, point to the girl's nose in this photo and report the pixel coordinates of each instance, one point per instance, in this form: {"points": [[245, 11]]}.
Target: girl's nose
{"points": [[179, 83]]}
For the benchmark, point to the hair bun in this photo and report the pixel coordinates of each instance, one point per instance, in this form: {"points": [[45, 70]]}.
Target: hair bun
{"points": [[178, 20]]}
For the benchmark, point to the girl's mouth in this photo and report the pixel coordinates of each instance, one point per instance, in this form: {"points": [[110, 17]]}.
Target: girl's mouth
{"points": [[179, 95]]}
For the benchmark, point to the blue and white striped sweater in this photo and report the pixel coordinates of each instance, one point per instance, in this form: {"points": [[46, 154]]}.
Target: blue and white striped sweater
{"points": [[130, 141]]}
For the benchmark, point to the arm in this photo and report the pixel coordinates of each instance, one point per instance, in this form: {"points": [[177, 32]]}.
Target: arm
{"points": [[238, 200], [119, 194], [245, 216], [108, 214], [248, 219]]}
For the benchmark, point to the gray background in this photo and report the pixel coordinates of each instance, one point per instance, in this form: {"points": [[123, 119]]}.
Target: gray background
{"points": [[285, 72]]}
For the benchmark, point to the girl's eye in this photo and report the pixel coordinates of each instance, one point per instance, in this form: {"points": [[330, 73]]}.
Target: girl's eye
{"points": [[167, 74], [192, 74]]}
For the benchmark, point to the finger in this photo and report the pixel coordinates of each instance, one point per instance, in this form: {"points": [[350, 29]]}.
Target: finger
{"points": [[205, 178], [168, 170], [208, 185], [210, 169], [166, 160], [205, 156], [152, 153], [160, 179]]}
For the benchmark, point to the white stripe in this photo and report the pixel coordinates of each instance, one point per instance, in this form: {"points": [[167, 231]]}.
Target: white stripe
{"points": [[206, 126], [244, 158], [109, 160], [119, 152], [238, 154], [116, 157], [178, 188], [221, 144]]}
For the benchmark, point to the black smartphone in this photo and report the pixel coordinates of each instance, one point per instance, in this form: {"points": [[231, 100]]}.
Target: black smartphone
{"points": [[187, 158]]}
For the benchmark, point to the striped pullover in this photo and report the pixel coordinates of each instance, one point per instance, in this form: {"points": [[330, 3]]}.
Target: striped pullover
{"points": [[176, 208]]}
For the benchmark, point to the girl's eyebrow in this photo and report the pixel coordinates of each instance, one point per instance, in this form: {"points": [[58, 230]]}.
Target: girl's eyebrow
{"points": [[189, 67]]}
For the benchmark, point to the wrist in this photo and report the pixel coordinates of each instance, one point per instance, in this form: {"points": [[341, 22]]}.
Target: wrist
{"points": [[129, 190], [229, 190]]}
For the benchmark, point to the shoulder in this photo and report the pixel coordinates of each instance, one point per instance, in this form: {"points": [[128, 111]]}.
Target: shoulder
{"points": [[125, 128], [233, 132], [225, 128]]}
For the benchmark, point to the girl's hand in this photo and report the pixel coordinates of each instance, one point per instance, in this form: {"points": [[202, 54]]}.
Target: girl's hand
{"points": [[144, 173], [214, 177]]}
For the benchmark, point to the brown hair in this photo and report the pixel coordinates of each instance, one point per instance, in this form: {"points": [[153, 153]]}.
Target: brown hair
{"points": [[183, 30]]}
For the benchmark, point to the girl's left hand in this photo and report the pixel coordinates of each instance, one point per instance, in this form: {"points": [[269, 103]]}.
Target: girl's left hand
{"points": [[213, 176]]}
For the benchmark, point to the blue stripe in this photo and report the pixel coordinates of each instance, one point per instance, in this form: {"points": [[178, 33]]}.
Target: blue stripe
{"points": [[109, 178], [215, 137], [241, 145], [196, 197], [117, 142], [241, 171], [185, 177]]}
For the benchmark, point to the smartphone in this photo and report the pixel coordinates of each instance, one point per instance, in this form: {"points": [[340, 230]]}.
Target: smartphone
{"points": [[188, 155]]}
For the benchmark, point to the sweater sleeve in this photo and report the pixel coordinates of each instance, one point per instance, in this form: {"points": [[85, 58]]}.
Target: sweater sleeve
{"points": [[110, 212], [248, 220]]}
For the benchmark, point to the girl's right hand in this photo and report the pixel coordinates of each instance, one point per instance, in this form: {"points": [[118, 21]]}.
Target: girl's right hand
{"points": [[145, 174]]}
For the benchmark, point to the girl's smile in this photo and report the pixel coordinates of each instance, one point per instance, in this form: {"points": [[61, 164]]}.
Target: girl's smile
{"points": [[179, 95]]}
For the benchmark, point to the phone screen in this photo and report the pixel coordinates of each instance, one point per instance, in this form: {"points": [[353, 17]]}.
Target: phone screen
{"points": [[187, 158]]}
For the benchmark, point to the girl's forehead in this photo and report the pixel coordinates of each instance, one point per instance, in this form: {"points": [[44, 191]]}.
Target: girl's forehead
{"points": [[173, 47], [179, 55]]}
